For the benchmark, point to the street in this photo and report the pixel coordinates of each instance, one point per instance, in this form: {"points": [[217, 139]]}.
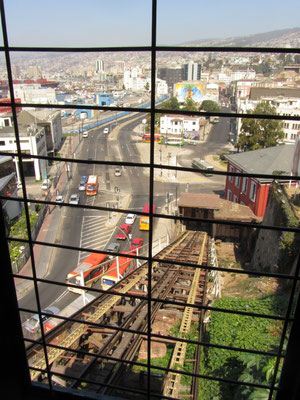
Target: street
{"points": [[87, 228]]}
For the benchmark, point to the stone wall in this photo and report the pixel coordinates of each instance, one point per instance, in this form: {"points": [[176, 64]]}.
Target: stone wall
{"points": [[275, 251]]}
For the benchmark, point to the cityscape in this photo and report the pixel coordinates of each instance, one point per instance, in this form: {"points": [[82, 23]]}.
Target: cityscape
{"points": [[152, 217]]}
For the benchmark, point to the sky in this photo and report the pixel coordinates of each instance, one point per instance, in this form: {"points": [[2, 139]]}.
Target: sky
{"points": [[88, 23]]}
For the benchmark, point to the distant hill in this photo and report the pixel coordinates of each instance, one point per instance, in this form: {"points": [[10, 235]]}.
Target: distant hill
{"points": [[279, 38]]}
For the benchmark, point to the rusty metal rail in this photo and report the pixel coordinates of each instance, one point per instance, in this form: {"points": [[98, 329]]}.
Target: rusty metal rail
{"points": [[121, 342], [178, 357]]}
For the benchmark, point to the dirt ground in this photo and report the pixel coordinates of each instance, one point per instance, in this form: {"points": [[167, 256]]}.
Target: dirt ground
{"points": [[240, 285]]}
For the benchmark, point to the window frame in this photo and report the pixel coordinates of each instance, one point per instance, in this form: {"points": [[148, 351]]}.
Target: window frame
{"points": [[21, 374]]}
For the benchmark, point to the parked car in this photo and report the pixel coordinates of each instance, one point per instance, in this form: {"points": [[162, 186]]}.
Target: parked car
{"points": [[32, 325], [130, 218], [106, 131], [82, 183], [85, 134], [192, 143], [113, 248], [46, 184], [136, 243], [74, 199], [117, 171], [123, 232]]}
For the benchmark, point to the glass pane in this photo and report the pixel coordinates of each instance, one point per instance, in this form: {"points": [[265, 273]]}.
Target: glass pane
{"points": [[77, 25], [227, 27]]}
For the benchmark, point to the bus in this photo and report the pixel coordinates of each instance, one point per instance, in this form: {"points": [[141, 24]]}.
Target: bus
{"points": [[175, 141], [91, 188], [120, 268], [147, 138], [88, 271], [197, 163], [144, 219]]}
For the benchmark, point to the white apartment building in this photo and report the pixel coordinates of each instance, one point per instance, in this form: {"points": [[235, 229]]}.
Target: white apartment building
{"points": [[136, 82], [286, 101], [212, 92], [34, 93], [50, 120], [33, 142], [179, 124]]}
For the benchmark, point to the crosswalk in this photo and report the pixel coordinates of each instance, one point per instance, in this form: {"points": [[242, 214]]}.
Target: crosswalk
{"points": [[94, 234]]}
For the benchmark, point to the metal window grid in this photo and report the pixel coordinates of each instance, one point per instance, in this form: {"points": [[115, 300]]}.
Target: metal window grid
{"points": [[287, 388]]}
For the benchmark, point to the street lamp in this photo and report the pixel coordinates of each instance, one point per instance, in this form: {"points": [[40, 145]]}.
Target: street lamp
{"points": [[117, 193]]}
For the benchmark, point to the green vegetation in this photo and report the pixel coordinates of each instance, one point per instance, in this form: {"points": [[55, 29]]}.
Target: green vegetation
{"points": [[260, 133], [289, 242], [189, 105], [209, 106], [19, 230], [240, 331]]}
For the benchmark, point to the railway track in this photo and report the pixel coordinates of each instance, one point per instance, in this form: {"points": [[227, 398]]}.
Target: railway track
{"points": [[97, 350]]}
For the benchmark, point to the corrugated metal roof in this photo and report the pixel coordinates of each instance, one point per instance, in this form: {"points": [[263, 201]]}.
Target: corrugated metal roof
{"points": [[265, 161]]}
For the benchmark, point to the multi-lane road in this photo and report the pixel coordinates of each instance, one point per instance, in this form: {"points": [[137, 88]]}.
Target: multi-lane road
{"points": [[87, 228]]}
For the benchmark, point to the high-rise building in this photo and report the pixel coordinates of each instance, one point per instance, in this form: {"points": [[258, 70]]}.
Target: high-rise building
{"points": [[191, 71], [99, 66], [171, 76]]}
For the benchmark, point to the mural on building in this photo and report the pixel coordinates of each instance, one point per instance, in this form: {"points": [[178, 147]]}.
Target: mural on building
{"points": [[184, 91]]}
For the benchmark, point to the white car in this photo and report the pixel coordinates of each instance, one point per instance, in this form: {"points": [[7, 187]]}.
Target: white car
{"points": [[74, 199], [85, 134], [46, 184], [130, 218], [105, 131], [117, 172], [59, 198]]}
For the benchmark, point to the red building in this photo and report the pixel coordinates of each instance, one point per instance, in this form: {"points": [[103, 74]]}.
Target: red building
{"points": [[254, 192]]}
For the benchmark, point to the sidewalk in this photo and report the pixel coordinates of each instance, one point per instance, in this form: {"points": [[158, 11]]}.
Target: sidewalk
{"points": [[49, 228]]}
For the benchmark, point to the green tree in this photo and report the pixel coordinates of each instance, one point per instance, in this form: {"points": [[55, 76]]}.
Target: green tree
{"points": [[209, 106], [189, 105], [260, 133], [263, 68], [171, 104]]}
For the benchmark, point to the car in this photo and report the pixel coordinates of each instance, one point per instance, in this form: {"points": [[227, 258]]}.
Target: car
{"points": [[117, 172], [136, 243], [192, 143], [46, 184], [113, 248], [130, 218], [106, 131], [74, 199], [123, 231], [59, 198], [85, 134], [82, 183], [32, 325]]}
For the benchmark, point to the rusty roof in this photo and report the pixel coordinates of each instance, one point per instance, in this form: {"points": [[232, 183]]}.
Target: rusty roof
{"points": [[223, 209], [199, 200], [229, 210]]}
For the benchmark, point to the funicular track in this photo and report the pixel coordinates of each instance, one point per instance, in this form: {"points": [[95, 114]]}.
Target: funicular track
{"points": [[99, 351]]}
